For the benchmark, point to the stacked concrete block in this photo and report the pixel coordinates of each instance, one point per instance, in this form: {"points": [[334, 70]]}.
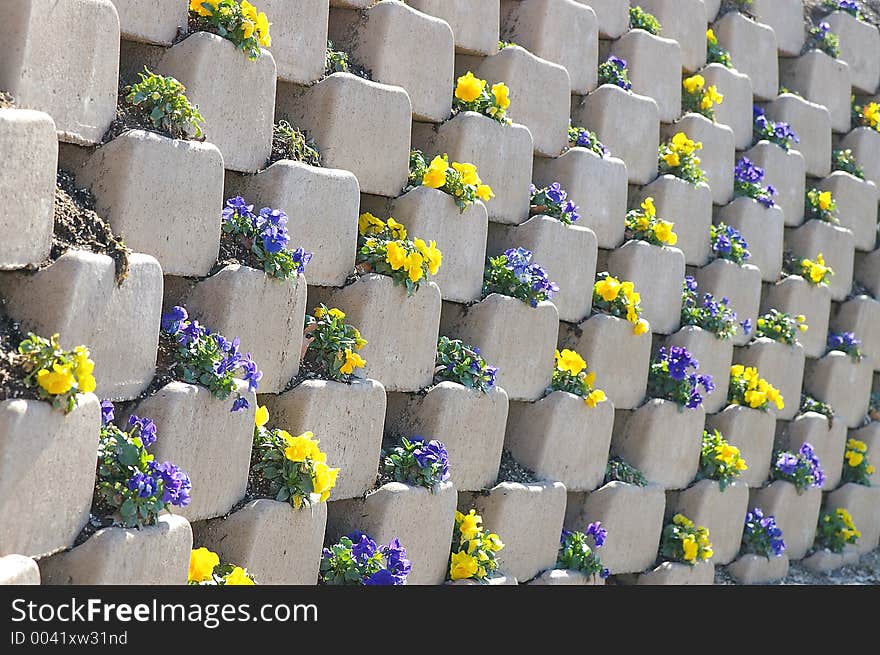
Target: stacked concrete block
{"points": [[865, 144], [157, 22], [740, 284], [358, 125], [420, 518], [867, 271], [18, 570], [763, 228], [786, 170], [501, 153], [470, 424], [794, 295], [200, 434], [27, 185], [843, 383], [685, 22], [825, 561], [78, 90], [612, 15], [837, 244], [796, 513], [828, 438], [812, 124], [715, 356], [305, 192], [782, 365], [821, 79], [859, 48], [518, 339], [299, 37], [598, 185], [786, 19], [870, 434], [861, 502], [757, 569], [721, 511], [37, 444], [156, 555], [736, 110], [856, 206], [81, 301], [689, 207], [752, 431], [567, 252], [241, 128], [567, 577], [347, 419], [860, 315], [276, 543], [560, 438], [717, 158], [752, 48], [402, 47], [528, 518], [678, 574], [474, 23], [627, 123]]}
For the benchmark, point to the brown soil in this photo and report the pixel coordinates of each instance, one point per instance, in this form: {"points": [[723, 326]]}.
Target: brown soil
{"points": [[6, 101], [235, 250], [11, 373]]}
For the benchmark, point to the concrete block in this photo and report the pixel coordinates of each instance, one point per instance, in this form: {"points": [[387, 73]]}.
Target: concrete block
{"points": [[752, 431], [199, 434], [859, 48], [627, 123], [856, 206], [865, 144], [276, 543], [518, 339], [348, 420], [837, 244], [843, 383], [718, 156], [78, 91], [862, 503], [470, 424], [528, 518], [824, 561], [812, 123], [474, 23], [752, 48], [712, 7], [18, 570], [675, 573], [27, 184], [683, 21], [567, 252], [715, 356], [560, 438], [867, 270], [241, 130], [299, 40], [81, 301], [566, 577], [870, 434], [402, 47], [822, 79], [828, 439], [690, 208], [781, 365], [156, 22], [421, 519], [796, 514], [756, 569], [157, 555], [619, 358], [736, 110], [613, 16], [39, 443], [786, 171], [786, 18], [763, 229], [658, 273], [860, 315], [794, 295], [493, 581], [741, 285], [722, 513]]}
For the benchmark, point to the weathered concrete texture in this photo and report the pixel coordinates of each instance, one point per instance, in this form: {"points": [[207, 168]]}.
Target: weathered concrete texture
{"points": [[18, 570], [352, 4], [865, 144], [493, 581], [197, 432], [870, 434], [474, 23], [81, 301], [619, 358], [796, 514], [781, 365], [598, 185], [828, 439], [38, 444], [501, 153], [689, 207], [347, 419], [741, 285], [736, 110], [752, 48], [836, 243], [528, 518], [714, 355], [842, 382], [752, 431], [560, 438], [658, 273], [786, 19], [824, 561], [299, 39], [402, 47], [162, 196], [862, 503], [511, 335], [341, 114], [786, 171], [304, 192], [242, 130], [763, 229], [228, 301], [432, 215], [812, 124], [155, 22], [78, 90], [157, 555], [470, 424], [633, 517], [821, 79], [564, 32], [566, 577], [567, 252], [423, 521], [861, 315], [399, 356], [794, 295], [627, 123], [612, 16], [654, 65], [683, 21], [276, 543], [756, 569], [721, 512], [867, 271], [675, 573], [856, 206], [662, 440], [27, 185], [717, 158], [859, 48]]}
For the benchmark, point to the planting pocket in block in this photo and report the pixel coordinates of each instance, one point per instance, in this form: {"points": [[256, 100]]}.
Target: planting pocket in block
{"points": [[752, 431], [812, 124], [865, 144], [856, 206], [796, 514], [781, 365], [837, 244], [860, 315], [18, 570], [763, 229], [736, 110], [862, 503], [685, 22], [675, 573], [722, 512], [752, 48], [689, 207], [794, 295], [741, 285], [867, 271], [156, 22], [859, 48], [786, 17], [827, 437], [715, 356], [757, 569], [870, 434], [474, 23], [299, 39], [821, 79], [843, 383], [717, 158], [786, 170]]}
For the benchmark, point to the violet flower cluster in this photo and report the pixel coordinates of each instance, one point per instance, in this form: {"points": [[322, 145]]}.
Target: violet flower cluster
{"points": [[729, 244], [514, 274], [416, 461], [748, 181], [762, 535], [673, 376], [708, 313], [779, 132], [614, 71], [845, 342], [576, 553], [802, 468], [358, 560], [553, 201]]}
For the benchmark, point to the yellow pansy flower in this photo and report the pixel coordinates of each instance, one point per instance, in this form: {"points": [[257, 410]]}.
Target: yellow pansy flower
{"points": [[710, 36], [462, 566], [469, 524], [853, 458], [595, 397], [323, 480], [649, 207], [57, 381], [198, 6], [395, 255], [825, 199], [369, 224], [301, 447], [248, 28], [641, 327], [320, 312], [359, 341], [631, 314], [689, 548], [608, 288], [570, 361], [694, 83], [484, 192], [467, 171], [737, 370], [432, 254], [201, 564], [468, 88], [261, 417], [238, 577], [413, 266], [263, 28], [713, 94], [493, 542], [398, 231], [352, 361], [672, 159], [858, 446], [435, 177], [663, 231], [502, 95]]}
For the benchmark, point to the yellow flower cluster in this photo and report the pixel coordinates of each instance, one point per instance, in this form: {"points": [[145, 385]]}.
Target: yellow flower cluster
{"points": [[849, 531], [569, 361], [476, 555], [816, 270], [730, 457], [202, 563], [709, 96], [825, 200], [436, 176], [302, 448], [681, 146], [611, 289], [758, 392], [645, 222], [253, 23], [63, 377], [871, 114], [398, 254], [471, 89], [710, 36], [855, 454], [694, 545]]}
